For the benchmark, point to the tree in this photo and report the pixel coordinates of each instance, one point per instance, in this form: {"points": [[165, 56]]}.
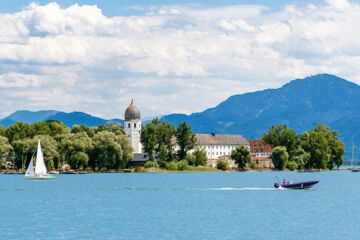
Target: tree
{"points": [[164, 139], [41, 128], [279, 157], [5, 147], [301, 157], [148, 138], [25, 148], [325, 148], [83, 128], [281, 135], [56, 127], [2, 131], [71, 145], [115, 127], [200, 157], [19, 130], [185, 139], [111, 151], [241, 156]]}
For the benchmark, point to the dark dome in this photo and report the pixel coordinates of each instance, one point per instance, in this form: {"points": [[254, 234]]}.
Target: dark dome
{"points": [[132, 112]]}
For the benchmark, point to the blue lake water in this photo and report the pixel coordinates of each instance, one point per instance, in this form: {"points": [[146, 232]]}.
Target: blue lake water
{"points": [[180, 206]]}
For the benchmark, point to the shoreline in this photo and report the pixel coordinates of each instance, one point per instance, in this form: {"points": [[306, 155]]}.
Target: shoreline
{"points": [[194, 170]]}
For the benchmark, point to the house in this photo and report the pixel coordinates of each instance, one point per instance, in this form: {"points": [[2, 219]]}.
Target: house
{"points": [[139, 160], [220, 146], [260, 153]]}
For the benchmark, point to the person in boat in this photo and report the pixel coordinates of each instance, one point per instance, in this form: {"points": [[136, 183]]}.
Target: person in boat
{"points": [[284, 182]]}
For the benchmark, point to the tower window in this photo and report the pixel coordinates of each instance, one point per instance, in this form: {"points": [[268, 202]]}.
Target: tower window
{"points": [[129, 125], [134, 125]]}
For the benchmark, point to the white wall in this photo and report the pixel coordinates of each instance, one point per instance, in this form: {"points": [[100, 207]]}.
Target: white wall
{"points": [[132, 130]]}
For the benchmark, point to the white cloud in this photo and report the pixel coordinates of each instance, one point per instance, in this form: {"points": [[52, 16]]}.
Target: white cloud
{"points": [[171, 58]]}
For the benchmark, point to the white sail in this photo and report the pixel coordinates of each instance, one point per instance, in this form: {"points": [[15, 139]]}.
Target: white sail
{"points": [[30, 169], [40, 168]]}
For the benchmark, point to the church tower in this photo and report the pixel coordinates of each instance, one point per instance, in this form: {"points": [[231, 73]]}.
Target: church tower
{"points": [[132, 126]]}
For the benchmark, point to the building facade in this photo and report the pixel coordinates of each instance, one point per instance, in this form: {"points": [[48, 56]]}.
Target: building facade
{"points": [[132, 126], [261, 153], [220, 146]]}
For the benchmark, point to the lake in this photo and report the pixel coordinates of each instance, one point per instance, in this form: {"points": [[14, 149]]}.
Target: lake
{"points": [[237, 205]]}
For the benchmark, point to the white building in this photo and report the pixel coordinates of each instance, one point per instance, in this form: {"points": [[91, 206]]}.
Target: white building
{"points": [[220, 146], [132, 126]]}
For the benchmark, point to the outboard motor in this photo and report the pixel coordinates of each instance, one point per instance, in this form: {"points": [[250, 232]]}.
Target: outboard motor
{"points": [[276, 185]]}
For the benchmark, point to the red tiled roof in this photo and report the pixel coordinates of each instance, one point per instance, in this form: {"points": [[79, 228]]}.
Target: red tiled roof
{"points": [[258, 146]]}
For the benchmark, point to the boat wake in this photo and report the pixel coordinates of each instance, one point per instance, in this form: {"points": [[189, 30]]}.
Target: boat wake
{"points": [[241, 189], [186, 189]]}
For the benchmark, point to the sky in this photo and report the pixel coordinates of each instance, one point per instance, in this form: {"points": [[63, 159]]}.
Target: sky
{"points": [[170, 56]]}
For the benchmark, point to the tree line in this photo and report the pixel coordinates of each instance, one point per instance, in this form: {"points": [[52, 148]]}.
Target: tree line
{"points": [[172, 145], [318, 148], [82, 147]]}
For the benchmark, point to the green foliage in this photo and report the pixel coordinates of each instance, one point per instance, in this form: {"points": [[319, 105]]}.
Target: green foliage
{"points": [[18, 131], [291, 165], [5, 147], [83, 128], [148, 138], [56, 128], [241, 156], [171, 166], [185, 139], [281, 135], [222, 165], [72, 144], [2, 131], [324, 146], [197, 158], [301, 157], [98, 147], [115, 127], [149, 164], [253, 165], [110, 151], [279, 157], [191, 159], [182, 165]]}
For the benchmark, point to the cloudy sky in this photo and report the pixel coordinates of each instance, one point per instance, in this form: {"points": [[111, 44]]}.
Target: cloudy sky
{"points": [[169, 56]]}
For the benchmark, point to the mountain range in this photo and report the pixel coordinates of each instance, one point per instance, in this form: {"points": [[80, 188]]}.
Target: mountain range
{"points": [[300, 104], [69, 119]]}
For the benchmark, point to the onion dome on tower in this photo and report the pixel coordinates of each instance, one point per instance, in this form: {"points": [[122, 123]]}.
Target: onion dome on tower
{"points": [[132, 112]]}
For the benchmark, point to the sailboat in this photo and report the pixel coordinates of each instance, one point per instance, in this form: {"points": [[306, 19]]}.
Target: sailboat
{"points": [[40, 171]]}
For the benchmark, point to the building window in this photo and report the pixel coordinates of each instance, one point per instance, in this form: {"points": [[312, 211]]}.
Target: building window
{"points": [[134, 125], [129, 125]]}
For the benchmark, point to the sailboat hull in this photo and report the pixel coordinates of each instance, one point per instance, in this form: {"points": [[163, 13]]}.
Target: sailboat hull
{"points": [[39, 177]]}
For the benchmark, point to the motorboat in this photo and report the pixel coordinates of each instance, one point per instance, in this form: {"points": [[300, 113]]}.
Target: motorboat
{"points": [[297, 185]]}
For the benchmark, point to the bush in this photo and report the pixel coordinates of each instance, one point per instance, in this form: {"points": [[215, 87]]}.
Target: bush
{"points": [[161, 164], [182, 165], [253, 165], [191, 159], [172, 166], [149, 164], [291, 165], [222, 165]]}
